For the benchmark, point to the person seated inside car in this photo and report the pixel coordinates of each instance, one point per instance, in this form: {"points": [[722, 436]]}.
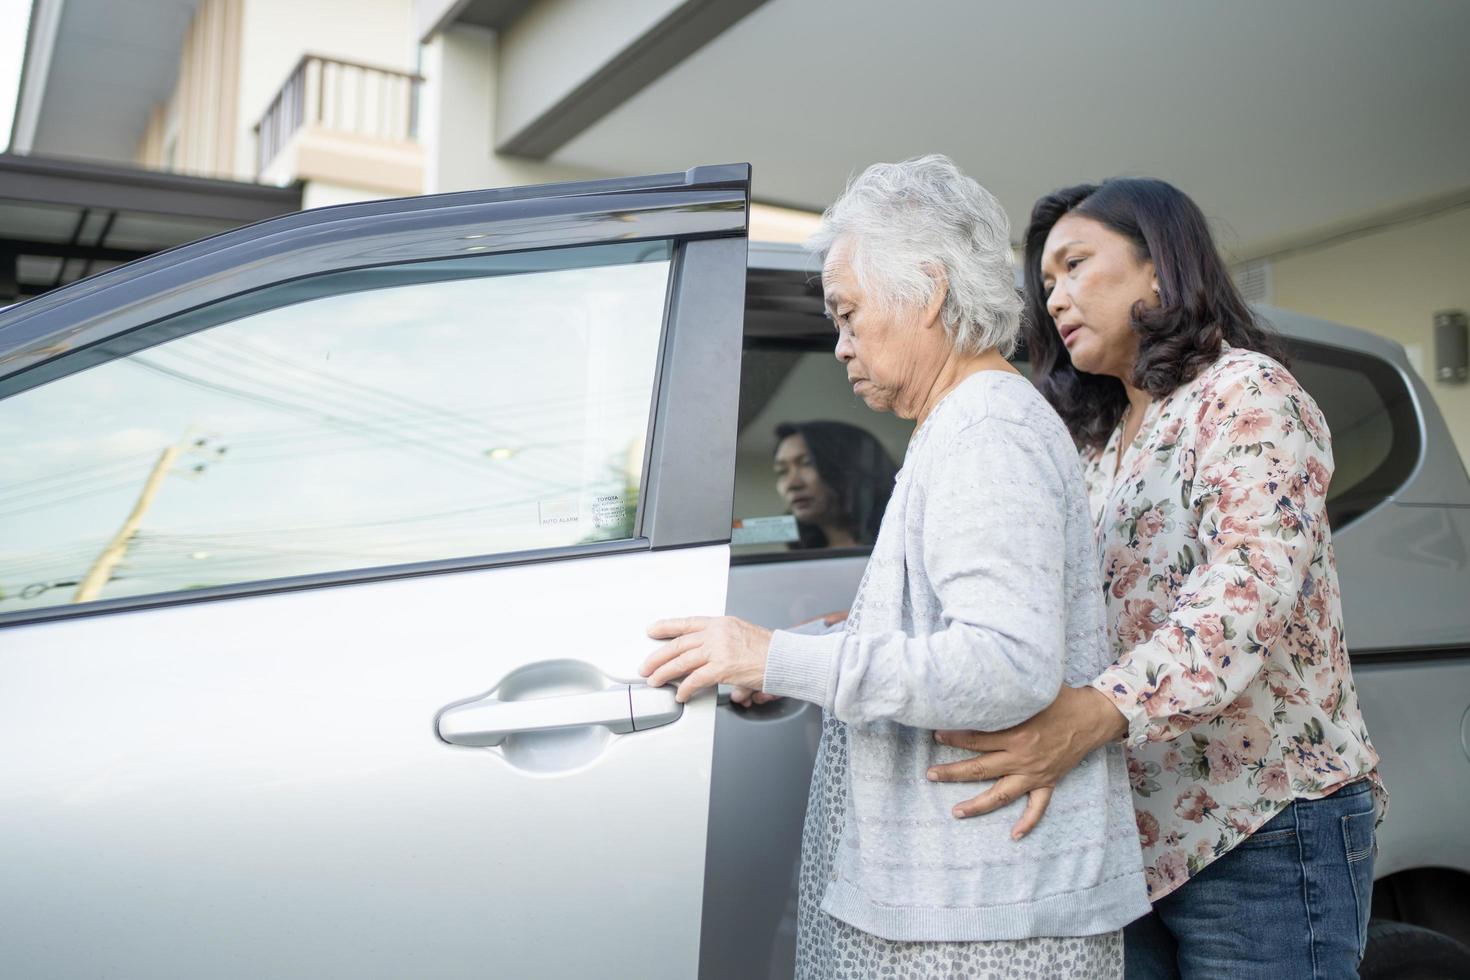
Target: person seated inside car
{"points": [[835, 479]]}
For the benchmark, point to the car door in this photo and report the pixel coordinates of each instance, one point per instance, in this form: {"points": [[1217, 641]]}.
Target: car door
{"points": [[327, 547]]}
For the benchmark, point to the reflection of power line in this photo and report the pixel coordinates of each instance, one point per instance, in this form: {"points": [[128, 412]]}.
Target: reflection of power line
{"points": [[367, 521], [47, 563], [68, 566], [242, 348], [173, 559], [429, 449], [564, 411], [64, 499], [544, 428], [523, 451], [76, 473], [409, 417]]}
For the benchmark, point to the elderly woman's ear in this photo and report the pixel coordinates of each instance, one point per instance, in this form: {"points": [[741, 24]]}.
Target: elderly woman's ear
{"points": [[934, 309]]}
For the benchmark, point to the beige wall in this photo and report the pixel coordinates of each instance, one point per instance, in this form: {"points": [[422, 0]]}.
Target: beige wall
{"points": [[197, 131], [1391, 283], [236, 56]]}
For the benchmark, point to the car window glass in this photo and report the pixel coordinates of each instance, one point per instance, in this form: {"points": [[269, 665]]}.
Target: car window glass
{"points": [[408, 413], [1370, 413], [814, 465]]}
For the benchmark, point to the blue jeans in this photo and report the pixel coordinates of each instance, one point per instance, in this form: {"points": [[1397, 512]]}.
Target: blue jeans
{"points": [[1290, 901]]}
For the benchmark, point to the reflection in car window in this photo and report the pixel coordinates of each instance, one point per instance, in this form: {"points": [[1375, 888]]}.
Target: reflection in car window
{"points": [[835, 480], [466, 407], [1370, 413], [814, 465]]}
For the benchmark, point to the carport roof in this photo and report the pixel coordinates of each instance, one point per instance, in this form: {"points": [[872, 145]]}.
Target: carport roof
{"points": [[63, 220]]}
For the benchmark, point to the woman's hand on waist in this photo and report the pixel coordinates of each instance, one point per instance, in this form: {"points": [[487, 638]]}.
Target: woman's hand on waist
{"points": [[706, 651], [1032, 757]]}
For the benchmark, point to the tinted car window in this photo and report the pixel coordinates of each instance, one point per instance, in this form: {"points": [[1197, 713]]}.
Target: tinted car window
{"points": [[1370, 412], [382, 416], [814, 465]]}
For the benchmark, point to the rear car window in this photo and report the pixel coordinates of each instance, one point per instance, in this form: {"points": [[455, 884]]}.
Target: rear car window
{"points": [[1375, 431]]}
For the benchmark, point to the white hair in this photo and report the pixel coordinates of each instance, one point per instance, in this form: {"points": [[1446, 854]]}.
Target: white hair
{"points": [[905, 222]]}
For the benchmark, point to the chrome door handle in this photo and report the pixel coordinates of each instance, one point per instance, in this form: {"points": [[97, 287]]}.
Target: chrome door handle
{"points": [[621, 709]]}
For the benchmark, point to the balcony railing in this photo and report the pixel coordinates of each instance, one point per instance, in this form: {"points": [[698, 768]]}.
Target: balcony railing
{"points": [[343, 97]]}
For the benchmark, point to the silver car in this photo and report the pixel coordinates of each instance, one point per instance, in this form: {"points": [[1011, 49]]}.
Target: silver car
{"points": [[327, 547]]}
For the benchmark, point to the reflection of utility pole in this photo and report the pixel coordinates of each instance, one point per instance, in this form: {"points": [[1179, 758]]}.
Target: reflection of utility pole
{"points": [[101, 570]]}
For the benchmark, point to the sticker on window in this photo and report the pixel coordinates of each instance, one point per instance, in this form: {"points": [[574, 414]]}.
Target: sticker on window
{"points": [[765, 530], [561, 511], [608, 510]]}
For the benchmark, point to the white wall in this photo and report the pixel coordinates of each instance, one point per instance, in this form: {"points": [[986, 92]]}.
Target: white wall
{"points": [[1391, 283], [557, 44]]}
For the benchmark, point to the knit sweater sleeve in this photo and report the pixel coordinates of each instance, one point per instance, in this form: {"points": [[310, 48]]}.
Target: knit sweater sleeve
{"points": [[989, 510]]}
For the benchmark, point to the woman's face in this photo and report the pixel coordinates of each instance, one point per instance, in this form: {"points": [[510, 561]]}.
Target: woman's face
{"points": [[810, 500], [1091, 277], [891, 356]]}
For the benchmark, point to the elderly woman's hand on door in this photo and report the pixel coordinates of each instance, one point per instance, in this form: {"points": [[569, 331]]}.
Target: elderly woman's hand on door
{"points": [[706, 651]]}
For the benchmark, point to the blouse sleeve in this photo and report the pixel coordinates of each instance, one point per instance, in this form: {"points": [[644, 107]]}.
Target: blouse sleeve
{"points": [[1257, 483]]}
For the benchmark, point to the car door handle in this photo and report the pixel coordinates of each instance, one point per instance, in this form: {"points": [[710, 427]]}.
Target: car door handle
{"points": [[622, 709]]}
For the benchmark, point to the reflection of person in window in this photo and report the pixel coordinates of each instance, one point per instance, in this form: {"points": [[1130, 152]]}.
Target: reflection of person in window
{"points": [[835, 479]]}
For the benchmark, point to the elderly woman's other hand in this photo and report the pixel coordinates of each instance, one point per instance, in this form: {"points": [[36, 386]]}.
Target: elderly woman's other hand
{"points": [[746, 698], [706, 651], [1030, 758]]}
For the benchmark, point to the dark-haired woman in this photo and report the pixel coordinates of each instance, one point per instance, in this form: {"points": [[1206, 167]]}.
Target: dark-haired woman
{"points": [[836, 479], [1207, 467]]}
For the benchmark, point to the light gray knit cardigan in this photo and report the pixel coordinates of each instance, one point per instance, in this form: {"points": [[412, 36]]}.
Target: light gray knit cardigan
{"points": [[980, 599]]}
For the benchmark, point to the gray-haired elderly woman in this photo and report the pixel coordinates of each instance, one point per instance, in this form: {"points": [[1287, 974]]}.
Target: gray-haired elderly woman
{"points": [[980, 599]]}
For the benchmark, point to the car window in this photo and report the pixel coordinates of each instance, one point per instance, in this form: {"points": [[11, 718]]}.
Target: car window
{"points": [[398, 414], [814, 465], [1370, 413]]}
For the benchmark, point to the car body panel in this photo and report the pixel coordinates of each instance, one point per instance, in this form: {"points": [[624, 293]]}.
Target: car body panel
{"points": [[277, 803]]}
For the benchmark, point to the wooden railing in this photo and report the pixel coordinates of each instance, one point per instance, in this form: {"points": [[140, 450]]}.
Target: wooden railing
{"points": [[341, 96]]}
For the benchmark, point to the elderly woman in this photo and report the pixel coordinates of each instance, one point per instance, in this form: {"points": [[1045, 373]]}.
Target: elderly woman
{"points": [[980, 599]]}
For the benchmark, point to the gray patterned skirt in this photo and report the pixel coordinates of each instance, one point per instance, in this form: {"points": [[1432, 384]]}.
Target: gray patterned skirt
{"points": [[830, 949]]}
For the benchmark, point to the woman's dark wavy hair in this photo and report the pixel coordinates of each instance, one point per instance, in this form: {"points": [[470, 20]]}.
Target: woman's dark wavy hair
{"points": [[1199, 306], [855, 467]]}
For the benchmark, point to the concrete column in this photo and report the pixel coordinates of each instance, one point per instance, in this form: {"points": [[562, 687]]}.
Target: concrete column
{"points": [[457, 124]]}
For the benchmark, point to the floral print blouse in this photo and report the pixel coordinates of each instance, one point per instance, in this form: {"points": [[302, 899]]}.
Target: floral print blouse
{"points": [[1224, 613]]}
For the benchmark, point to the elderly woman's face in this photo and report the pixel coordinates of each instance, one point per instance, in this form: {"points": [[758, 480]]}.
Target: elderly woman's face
{"points": [[889, 356], [1092, 277]]}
